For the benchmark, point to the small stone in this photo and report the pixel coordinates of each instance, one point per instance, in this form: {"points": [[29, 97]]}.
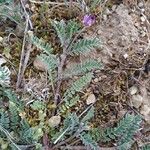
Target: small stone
{"points": [[125, 55], [143, 34], [137, 101], [97, 71], [133, 39], [104, 17], [143, 19], [1, 39], [99, 32], [136, 24], [133, 90], [142, 10], [91, 99], [27, 6], [96, 80], [54, 121], [100, 78], [114, 7], [38, 64], [140, 4], [107, 11]]}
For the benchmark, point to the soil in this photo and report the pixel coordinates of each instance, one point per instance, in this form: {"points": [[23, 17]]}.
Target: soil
{"points": [[124, 30]]}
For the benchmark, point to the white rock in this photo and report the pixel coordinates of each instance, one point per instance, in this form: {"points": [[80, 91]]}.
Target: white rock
{"points": [[91, 99], [143, 19], [105, 17], [140, 4], [96, 80], [136, 24], [114, 7], [54, 121], [107, 11], [142, 10], [125, 55], [133, 90], [143, 34], [137, 101], [99, 31]]}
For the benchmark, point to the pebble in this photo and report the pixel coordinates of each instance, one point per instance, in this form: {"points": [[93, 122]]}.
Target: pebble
{"points": [[99, 32], [133, 90], [142, 10], [143, 19], [114, 7], [143, 34], [125, 55], [140, 4], [39, 65], [136, 24], [107, 11], [91, 99], [54, 121], [100, 78], [137, 100], [133, 39], [105, 17], [97, 71], [27, 6], [96, 80]]}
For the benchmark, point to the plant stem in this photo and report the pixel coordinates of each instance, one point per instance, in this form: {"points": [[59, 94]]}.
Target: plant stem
{"points": [[62, 62], [9, 136]]}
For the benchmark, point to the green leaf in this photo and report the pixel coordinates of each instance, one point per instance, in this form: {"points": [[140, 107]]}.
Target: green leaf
{"points": [[71, 28], [85, 66], [14, 116], [60, 28], [88, 141], [50, 61], [68, 104], [4, 119], [145, 147], [4, 76], [12, 97], [78, 85], [38, 105], [41, 44], [89, 115], [85, 46]]}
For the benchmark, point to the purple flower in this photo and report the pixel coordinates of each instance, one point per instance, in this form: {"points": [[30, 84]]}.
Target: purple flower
{"points": [[88, 20]]}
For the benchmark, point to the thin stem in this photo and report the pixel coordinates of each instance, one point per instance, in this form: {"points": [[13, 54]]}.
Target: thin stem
{"points": [[63, 142], [54, 3], [85, 110], [51, 79], [61, 136], [20, 74], [62, 62], [11, 19], [9, 136], [26, 15]]}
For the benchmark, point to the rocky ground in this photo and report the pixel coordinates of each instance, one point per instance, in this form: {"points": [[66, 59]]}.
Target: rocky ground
{"points": [[123, 85]]}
